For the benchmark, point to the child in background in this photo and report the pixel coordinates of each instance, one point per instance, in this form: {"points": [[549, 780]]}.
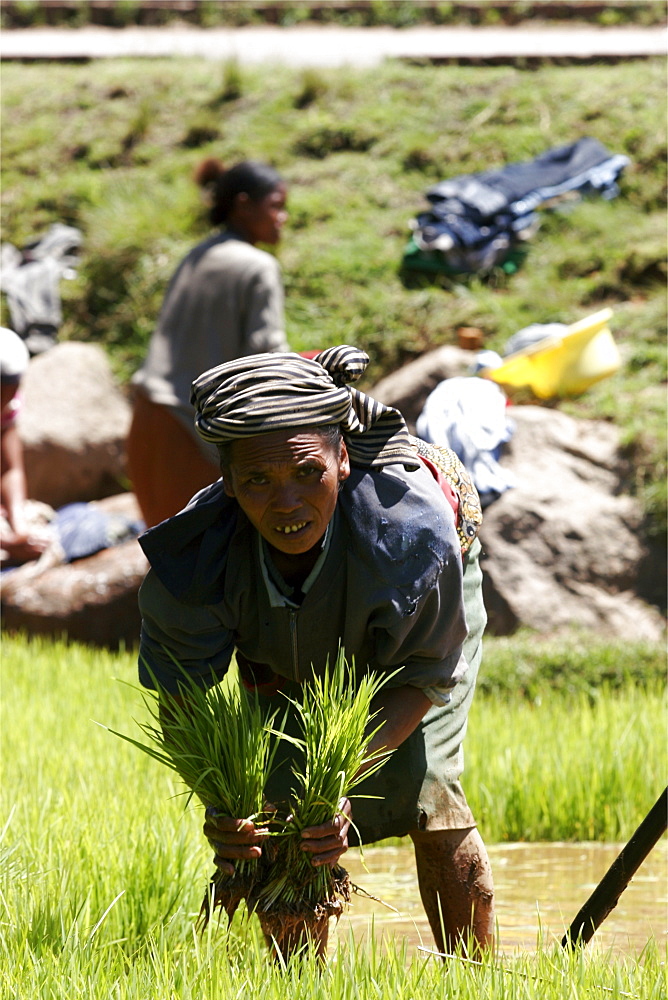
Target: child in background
{"points": [[22, 536]]}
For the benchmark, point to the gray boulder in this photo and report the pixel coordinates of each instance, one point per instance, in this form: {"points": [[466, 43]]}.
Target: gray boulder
{"points": [[73, 425], [407, 389], [92, 600], [566, 546]]}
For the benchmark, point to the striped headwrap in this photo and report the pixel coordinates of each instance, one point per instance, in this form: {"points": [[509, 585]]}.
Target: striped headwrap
{"points": [[265, 392]]}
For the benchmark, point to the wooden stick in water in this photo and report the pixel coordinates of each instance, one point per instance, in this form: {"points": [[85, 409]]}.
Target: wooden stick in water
{"points": [[606, 895]]}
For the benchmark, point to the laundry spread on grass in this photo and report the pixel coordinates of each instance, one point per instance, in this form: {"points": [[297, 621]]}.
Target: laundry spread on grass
{"points": [[481, 221], [30, 278], [71, 532], [470, 414]]}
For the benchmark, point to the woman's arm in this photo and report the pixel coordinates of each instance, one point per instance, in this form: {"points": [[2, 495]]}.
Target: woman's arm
{"points": [[12, 478], [399, 712], [20, 543]]}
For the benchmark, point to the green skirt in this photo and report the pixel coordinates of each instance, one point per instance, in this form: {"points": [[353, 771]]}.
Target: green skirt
{"points": [[418, 788]]}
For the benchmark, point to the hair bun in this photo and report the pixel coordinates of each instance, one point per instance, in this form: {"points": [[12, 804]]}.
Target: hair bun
{"points": [[209, 171]]}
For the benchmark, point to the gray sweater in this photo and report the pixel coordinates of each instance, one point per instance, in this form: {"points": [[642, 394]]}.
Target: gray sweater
{"points": [[224, 301]]}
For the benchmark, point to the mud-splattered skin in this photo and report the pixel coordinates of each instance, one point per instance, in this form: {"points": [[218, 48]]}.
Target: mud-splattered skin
{"points": [[455, 879]]}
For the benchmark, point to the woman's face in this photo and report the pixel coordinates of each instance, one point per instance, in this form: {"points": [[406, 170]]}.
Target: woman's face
{"points": [[287, 483], [261, 221]]}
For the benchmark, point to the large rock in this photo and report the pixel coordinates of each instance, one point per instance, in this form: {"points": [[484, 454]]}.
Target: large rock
{"points": [[73, 425], [565, 547], [91, 600], [407, 389]]}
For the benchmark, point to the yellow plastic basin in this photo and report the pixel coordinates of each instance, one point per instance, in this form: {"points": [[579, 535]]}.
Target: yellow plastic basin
{"points": [[562, 366]]}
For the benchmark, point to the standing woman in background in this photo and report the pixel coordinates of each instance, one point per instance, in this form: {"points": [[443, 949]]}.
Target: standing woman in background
{"points": [[224, 301]]}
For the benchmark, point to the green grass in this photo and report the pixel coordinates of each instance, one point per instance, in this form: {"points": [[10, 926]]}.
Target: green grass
{"points": [[103, 871], [111, 146], [536, 668], [173, 966], [576, 771]]}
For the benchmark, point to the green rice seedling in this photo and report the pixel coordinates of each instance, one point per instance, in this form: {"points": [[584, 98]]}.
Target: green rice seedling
{"points": [[222, 744], [333, 713]]}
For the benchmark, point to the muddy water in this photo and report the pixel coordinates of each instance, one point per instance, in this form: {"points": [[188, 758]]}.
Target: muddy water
{"points": [[539, 890]]}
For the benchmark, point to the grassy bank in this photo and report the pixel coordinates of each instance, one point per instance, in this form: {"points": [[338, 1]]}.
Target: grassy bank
{"points": [[111, 146], [103, 871]]}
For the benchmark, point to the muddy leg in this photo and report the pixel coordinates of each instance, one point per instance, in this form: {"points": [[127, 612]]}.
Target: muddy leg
{"points": [[456, 886]]}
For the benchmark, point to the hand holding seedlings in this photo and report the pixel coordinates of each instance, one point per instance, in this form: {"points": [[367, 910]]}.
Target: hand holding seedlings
{"points": [[232, 839], [328, 841]]}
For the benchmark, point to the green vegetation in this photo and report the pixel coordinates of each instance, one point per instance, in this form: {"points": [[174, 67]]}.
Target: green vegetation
{"points": [[102, 869], [221, 745], [352, 13], [576, 771], [536, 669], [111, 147]]}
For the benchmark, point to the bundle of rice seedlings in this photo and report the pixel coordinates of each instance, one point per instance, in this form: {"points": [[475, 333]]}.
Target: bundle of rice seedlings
{"points": [[222, 744], [296, 898]]}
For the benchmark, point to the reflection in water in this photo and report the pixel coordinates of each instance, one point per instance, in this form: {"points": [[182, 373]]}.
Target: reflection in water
{"points": [[539, 890]]}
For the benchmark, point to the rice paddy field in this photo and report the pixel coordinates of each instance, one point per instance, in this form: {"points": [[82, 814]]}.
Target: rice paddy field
{"points": [[102, 868]]}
